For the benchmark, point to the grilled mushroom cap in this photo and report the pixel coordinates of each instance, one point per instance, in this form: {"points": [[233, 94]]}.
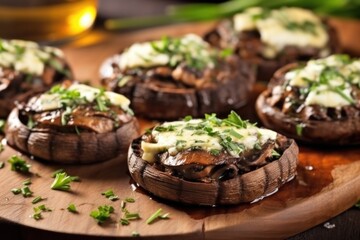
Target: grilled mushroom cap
{"points": [[26, 69], [171, 91], [197, 176], [315, 124], [82, 133], [249, 46]]}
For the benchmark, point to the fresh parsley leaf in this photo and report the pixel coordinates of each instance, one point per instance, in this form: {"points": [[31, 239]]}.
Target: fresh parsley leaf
{"points": [[102, 213], [53, 175], [18, 164], [299, 129], [110, 195], [157, 215], [37, 199], [235, 120], [62, 182], [72, 208]]}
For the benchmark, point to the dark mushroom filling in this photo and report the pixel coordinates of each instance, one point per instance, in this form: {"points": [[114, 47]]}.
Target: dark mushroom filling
{"points": [[198, 163]]}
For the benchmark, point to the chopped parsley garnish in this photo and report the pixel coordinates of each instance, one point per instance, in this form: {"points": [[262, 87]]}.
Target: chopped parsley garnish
{"points": [[2, 164], [26, 192], [16, 191], [275, 154], [305, 26], [18, 164], [72, 208], [102, 213], [156, 216], [215, 152], [187, 118], [194, 52], [110, 195], [129, 200], [27, 182], [299, 129], [37, 200], [62, 182], [38, 210]]}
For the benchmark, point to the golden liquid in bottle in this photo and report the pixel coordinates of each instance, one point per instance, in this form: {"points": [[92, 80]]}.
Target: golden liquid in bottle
{"points": [[47, 21]]}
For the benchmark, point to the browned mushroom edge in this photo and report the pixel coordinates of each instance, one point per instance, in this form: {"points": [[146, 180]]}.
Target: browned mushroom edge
{"points": [[156, 94], [18, 85], [248, 46], [314, 124], [229, 181], [93, 136]]}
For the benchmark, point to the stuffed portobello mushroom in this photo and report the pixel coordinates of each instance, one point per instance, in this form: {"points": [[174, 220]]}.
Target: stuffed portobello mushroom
{"points": [[27, 68], [174, 77], [271, 39], [72, 123], [317, 102], [212, 161]]}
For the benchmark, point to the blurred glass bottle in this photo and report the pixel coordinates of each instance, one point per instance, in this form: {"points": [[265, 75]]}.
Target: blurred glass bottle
{"points": [[46, 20]]}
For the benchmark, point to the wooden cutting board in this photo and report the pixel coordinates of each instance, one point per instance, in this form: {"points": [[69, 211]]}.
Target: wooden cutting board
{"points": [[327, 182]]}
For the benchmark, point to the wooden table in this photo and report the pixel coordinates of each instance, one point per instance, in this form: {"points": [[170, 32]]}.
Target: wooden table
{"points": [[328, 181]]}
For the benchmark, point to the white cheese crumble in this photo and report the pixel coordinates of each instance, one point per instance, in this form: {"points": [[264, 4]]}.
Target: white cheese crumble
{"points": [[329, 80], [182, 135], [150, 54], [288, 26], [26, 56]]}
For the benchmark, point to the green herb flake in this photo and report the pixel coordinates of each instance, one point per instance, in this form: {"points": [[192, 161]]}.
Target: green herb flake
{"points": [[102, 213], [299, 129], [62, 182], [27, 182], [124, 221], [275, 154], [129, 200], [72, 208], [37, 216], [215, 152], [18, 164], [226, 52], [187, 118], [2, 125], [2, 165], [110, 195], [37, 200], [26, 192], [235, 120], [157, 215], [135, 234], [16, 191], [257, 146]]}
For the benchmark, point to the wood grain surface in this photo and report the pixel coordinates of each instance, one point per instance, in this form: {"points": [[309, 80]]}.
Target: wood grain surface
{"points": [[328, 180]]}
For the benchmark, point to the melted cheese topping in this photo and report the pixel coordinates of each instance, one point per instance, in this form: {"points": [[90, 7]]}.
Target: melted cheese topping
{"points": [[147, 54], [25, 56], [283, 27], [47, 101], [182, 135], [329, 80]]}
